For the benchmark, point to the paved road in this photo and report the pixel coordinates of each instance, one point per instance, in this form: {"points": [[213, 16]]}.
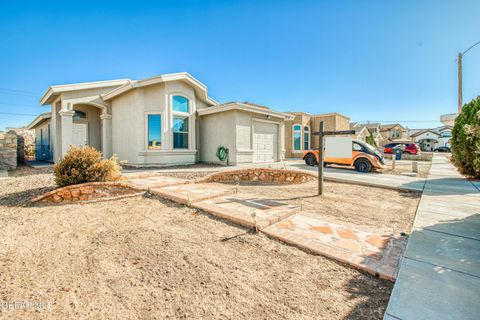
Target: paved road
{"points": [[439, 277], [383, 180]]}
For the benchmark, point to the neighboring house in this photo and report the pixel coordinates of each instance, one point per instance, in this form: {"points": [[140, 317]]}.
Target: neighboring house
{"points": [[298, 131], [43, 140], [361, 131], [430, 139], [393, 133], [163, 120], [448, 119]]}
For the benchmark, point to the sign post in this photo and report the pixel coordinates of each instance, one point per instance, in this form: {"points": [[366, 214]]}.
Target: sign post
{"points": [[321, 151]]}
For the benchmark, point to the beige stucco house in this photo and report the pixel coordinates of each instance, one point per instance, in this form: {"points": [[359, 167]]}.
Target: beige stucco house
{"points": [[299, 129], [163, 120]]}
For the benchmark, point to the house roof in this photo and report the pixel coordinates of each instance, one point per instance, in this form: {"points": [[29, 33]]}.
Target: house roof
{"points": [[424, 131], [199, 87], [39, 119], [53, 91], [385, 127], [248, 107], [359, 128]]}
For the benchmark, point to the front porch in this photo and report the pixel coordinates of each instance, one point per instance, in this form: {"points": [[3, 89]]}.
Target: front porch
{"points": [[81, 122]]}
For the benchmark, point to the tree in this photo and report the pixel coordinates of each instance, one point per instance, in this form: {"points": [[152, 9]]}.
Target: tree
{"points": [[465, 140]]}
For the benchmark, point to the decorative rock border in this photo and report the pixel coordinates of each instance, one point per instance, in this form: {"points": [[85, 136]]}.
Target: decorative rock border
{"points": [[89, 191], [260, 175]]}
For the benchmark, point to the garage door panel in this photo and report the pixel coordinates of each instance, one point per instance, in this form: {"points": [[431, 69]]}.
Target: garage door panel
{"points": [[265, 142]]}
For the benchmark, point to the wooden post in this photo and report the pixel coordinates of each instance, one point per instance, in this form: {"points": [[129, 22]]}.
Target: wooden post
{"points": [[320, 160], [460, 99]]}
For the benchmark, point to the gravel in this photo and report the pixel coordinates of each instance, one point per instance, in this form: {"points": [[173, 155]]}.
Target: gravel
{"points": [[145, 257]]}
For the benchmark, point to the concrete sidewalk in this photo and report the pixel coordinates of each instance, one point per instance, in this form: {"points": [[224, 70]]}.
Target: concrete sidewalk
{"points": [[439, 277]]}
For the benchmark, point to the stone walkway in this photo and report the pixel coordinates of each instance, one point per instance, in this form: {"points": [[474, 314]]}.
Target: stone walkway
{"points": [[377, 254], [248, 210], [439, 277]]}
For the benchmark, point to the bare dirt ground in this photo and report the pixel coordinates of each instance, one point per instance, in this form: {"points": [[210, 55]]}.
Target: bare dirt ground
{"points": [[372, 209], [144, 257]]}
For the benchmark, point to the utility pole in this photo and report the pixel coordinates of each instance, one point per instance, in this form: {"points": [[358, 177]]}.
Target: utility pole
{"points": [[460, 57], [460, 102]]}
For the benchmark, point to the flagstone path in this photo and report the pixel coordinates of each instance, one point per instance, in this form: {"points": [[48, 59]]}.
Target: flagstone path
{"points": [[376, 254]]}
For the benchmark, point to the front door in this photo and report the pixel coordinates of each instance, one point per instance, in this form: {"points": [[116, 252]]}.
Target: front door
{"points": [[80, 134]]}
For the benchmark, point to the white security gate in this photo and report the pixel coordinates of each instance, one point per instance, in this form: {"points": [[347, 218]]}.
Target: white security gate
{"points": [[265, 142], [80, 134]]}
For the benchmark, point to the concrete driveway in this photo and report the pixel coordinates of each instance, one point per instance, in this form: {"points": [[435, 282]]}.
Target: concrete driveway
{"points": [[383, 180]]}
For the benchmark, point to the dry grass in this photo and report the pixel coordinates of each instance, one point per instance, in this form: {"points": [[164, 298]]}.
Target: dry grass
{"points": [[145, 257], [373, 209]]}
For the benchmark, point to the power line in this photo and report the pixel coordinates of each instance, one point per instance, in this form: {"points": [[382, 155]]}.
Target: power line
{"points": [[18, 105], [18, 114], [20, 91], [17, 93]]}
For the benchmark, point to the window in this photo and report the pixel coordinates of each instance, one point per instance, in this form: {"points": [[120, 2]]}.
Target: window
{"points": [[79, 115], [180, 133], [180, 104], [154, 131], [446, 134], [297, 137], [356, 147], [306, 138]]}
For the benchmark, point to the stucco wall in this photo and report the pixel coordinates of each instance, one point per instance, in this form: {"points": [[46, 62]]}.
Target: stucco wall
{"points": [[129, 125], [217, 130]]}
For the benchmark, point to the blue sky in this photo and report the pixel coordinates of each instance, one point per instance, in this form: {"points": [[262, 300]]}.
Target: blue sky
{"points": [[370, 60]]}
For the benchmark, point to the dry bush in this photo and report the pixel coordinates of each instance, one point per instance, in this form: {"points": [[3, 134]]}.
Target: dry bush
{"points": [[85, 164]]}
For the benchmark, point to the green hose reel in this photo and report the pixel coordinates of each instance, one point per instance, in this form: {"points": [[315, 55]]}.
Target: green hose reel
{"points": [[222, 154]]}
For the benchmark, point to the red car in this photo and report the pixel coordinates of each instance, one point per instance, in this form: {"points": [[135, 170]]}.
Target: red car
{"points": [[410, 148]]}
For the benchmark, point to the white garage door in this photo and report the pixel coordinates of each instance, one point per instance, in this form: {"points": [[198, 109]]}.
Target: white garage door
{"points": [[265, 142]]}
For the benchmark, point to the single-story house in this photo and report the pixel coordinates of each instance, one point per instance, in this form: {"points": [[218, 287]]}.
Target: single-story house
{"points": [[430, 139], [164, 120], [299, 129]]}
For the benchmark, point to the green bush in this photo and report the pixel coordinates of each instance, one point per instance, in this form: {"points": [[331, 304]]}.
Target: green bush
{"points": [[466, 139], [85, 164]]}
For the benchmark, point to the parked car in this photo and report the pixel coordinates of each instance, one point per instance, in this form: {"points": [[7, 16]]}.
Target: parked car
{"points": [[410, 148], [364, 157], [442, 149]]}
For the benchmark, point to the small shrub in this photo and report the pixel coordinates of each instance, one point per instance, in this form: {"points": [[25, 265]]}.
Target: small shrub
{"points": [[85, 164], [465, 140]]}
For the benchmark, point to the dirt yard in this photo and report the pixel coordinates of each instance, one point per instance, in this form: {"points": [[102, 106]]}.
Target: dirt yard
{"points": [[145, 257], [371, 209]]}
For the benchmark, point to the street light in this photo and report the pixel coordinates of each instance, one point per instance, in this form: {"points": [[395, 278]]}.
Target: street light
{"points": [[460, 56]]}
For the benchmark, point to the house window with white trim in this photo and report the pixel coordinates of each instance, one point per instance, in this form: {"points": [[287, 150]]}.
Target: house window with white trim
{"points": [[154, 140], [180, 121], [306, 138], [180, 133], [180, 104], [297, 137]]}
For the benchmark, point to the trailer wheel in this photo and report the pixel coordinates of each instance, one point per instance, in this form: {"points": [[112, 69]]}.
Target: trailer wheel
{"points": [[363, 165], [310, 160]]}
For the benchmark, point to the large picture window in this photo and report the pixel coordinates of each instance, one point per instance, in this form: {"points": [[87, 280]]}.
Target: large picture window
{"points": [[154, 131], [297, 137], [306, 138], [179, 104], [180, 133]]}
